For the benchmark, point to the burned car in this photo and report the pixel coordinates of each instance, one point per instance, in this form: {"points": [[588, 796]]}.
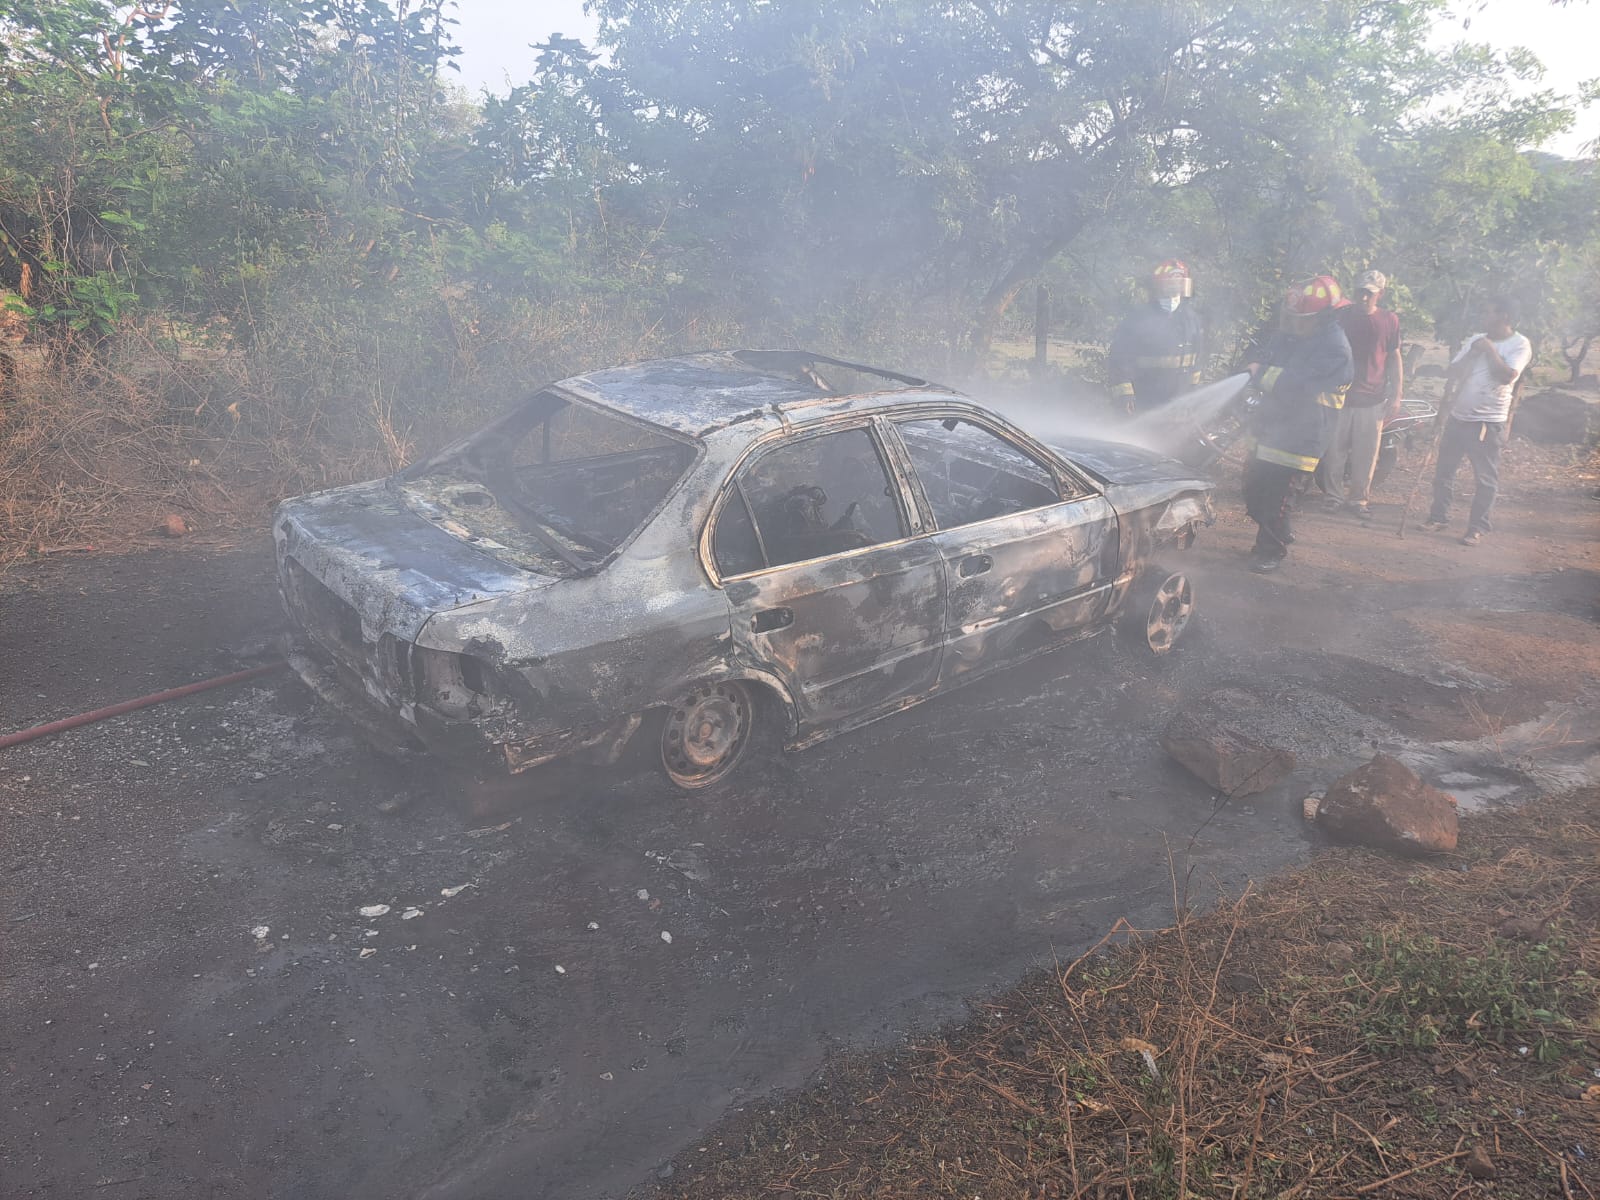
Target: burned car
{"points": [[693, 554]]}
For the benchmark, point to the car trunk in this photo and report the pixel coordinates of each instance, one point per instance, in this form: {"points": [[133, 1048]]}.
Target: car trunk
{"points": [[356, 566]]}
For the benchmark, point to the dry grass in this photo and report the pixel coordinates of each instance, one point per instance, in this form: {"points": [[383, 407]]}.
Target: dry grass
{"points": [[99, 451], [1357, 1027]]}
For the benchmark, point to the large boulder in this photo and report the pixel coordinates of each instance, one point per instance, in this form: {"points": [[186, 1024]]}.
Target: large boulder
{"points": [[1555, 418], [1223, 755], [1385, 804]]}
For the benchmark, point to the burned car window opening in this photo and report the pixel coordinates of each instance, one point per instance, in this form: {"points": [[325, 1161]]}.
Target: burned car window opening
{"points": [[736, 545], [969, 473], [819, 495], [555, 487]]}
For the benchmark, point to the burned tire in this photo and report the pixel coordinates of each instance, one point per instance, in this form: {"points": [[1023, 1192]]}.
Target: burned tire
{"points": [[1158, 611], [707, 733]]}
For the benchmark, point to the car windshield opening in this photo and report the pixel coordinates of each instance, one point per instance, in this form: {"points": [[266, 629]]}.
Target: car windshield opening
{"points": [[556, 486], [970, 473]]}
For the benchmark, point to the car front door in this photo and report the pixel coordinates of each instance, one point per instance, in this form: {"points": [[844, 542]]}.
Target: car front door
{"points": [[828, 588], [1026, 552]]}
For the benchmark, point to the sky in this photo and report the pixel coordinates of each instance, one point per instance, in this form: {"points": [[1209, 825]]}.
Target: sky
{"points": [[495, 36]]}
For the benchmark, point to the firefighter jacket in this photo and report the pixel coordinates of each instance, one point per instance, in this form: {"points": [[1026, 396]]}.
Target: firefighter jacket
{"points": [[1155, 355], [1303, 381]]}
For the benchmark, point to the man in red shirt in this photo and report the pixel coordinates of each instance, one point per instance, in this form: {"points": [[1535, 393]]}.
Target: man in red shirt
{"points": [[1373, 399]]}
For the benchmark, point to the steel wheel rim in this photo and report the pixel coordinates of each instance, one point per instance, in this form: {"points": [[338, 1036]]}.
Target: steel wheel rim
{"points": [[706, 733], [1169, 613]]}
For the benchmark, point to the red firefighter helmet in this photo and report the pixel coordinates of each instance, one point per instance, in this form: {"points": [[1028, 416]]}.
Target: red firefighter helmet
{"points": [[1168, 271], [1314, 295]]}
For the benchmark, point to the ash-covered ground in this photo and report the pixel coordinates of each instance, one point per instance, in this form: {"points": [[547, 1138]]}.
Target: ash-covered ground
{"points": [[192, 1002]]}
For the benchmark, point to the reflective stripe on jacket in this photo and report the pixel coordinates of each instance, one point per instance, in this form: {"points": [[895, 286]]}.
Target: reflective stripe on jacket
{"points": [[1155, 355], [1304, 380]]}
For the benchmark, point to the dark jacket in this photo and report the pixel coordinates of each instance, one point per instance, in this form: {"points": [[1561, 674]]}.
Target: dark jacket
{"points": [[1155, 355], [1303, 381]]}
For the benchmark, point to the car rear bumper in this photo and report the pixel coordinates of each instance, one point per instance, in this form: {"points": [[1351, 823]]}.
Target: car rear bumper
{"points": [[412, 729]]}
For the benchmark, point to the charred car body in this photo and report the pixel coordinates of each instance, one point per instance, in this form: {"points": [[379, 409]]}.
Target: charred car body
{"points": [[689, 553]]}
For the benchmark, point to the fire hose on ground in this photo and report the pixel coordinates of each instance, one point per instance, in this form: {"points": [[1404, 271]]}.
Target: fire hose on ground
{"points": [[127, 706]]}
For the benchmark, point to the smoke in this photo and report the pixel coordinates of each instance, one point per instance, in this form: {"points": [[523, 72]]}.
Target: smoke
{"points": [[1165, 430]]}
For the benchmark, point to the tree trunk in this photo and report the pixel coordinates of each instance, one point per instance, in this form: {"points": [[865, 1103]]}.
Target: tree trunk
{"points": [[1575, 361], [999, 297]]}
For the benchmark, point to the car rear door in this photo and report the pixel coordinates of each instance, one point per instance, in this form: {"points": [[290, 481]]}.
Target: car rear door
{"points": [[1030, 553], [830, 589]]}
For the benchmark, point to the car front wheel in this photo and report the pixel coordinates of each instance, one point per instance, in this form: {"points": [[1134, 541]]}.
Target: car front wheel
{"points": [[1159, 610], [706, 733]]}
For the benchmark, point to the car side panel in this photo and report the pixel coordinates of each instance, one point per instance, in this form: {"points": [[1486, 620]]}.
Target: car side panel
{"points": [[1017, 580], [847, 634]]}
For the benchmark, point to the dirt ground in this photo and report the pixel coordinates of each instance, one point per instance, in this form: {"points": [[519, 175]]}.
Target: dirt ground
{"points": [[1364, 1024], [155, 1042]]}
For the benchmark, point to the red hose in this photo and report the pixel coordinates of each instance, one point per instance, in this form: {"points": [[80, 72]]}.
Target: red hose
{"points": [[116, 710]]}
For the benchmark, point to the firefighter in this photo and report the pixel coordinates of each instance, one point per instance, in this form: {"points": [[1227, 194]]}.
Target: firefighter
{"points": [[1157, 350], [1302, 376]]}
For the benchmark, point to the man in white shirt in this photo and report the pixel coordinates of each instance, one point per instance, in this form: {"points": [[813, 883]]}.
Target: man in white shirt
{"points": [[1477, 407]]}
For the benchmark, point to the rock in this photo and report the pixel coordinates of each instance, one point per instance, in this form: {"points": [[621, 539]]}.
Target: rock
{"points": [[1555, 418], [1330, 933], [174, 526], [1339, 954], [1385, 804], [1223, 756], [1479, 1164], [1525, 929], [1309, 807]]}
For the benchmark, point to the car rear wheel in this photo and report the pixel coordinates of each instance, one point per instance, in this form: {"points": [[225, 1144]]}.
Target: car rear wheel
{"points": [[1160, 609], [707, 733]]}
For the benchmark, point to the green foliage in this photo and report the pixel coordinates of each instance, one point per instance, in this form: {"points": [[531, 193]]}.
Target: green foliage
{"points": [[859, 161], [91, 303], [1417, 991], [297, 179]]}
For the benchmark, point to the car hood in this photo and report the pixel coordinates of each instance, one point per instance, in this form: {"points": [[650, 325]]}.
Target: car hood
{"points": [[1134, 478], [1119, 462], [394, 568]]}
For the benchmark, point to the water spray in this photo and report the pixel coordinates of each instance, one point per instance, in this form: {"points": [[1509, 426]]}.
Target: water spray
{"points": [[1172, 429]]}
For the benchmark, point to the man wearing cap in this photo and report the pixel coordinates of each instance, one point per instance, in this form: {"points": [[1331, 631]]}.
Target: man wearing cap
{"points": [[1372, 401]]}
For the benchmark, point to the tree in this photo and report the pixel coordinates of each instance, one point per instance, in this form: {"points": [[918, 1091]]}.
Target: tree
{"points": [[876, 159], [188, 151]]}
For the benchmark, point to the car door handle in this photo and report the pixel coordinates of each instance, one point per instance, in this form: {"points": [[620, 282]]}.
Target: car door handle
{"points": [[769, 619], [975, 564]]}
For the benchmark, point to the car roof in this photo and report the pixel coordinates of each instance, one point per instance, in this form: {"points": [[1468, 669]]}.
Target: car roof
{"points": [[697, 393]]}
